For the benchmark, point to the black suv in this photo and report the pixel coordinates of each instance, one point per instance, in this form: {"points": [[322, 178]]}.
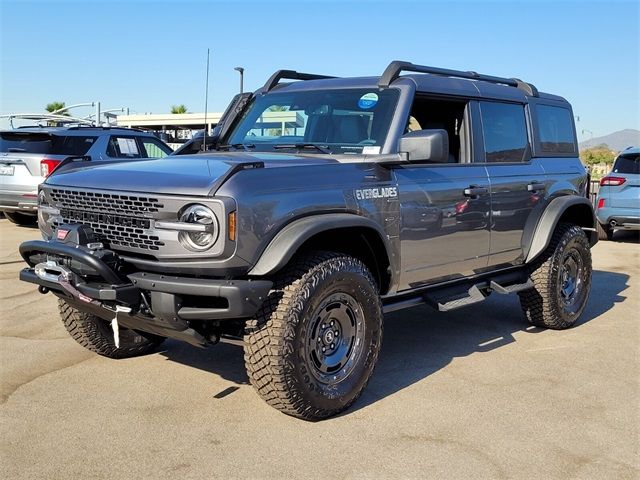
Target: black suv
{"points": [[328, 202], [29, 155]]}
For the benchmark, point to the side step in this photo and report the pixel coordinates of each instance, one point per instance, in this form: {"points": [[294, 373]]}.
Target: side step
{"points": [[515, 288], [457, 295], [445, 303]]}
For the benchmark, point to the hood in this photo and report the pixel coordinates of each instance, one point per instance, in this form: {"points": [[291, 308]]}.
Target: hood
{"points": [[197, 175]]}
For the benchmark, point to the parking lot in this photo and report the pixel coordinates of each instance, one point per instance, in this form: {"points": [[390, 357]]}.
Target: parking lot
{"points": [[473, 393]]}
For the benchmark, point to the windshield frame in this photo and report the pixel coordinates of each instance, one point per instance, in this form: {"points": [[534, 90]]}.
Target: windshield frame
{"points": [[378, 119]]}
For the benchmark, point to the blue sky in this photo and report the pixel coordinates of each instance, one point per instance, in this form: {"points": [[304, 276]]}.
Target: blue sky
{"points": [[148, 55]]}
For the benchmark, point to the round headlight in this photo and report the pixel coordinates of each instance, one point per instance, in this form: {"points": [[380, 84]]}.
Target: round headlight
{"points": [[205, 228]]}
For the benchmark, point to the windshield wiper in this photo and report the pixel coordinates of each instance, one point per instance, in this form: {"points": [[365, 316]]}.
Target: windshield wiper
{"points": [[244, 146], [302, 146], [16, 149]]}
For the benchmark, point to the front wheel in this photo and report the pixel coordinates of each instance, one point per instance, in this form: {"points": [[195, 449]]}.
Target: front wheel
{"points": [[562, 280], [96, 334], [313, 345], [22, 219]]}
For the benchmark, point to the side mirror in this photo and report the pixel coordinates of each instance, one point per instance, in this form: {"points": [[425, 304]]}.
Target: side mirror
{"points": [[425, 145]]}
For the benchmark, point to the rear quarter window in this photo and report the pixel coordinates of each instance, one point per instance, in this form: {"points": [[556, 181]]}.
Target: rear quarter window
{"points": [[555, 130]]}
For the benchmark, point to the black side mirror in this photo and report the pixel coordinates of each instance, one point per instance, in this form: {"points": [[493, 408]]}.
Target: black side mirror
{"points": [[425, 146]]}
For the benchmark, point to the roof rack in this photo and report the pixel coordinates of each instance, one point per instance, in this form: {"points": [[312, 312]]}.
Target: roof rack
{"points": [[107, 127], [45, 117], [290, 75], [392, 72]]}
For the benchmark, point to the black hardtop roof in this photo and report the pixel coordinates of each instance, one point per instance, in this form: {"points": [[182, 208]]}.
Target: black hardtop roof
{"points": [[433, 80]]}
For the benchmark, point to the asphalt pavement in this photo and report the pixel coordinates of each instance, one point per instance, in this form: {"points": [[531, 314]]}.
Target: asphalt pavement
{"points": [[473, 393]]}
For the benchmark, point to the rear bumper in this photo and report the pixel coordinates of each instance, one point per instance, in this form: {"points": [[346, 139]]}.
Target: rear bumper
{"points": [[623, 218], [160, 304], [26, 202]]}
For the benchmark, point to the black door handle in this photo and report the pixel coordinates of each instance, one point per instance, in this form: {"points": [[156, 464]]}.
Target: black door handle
{"points": [[535, 187], [474, 191]]}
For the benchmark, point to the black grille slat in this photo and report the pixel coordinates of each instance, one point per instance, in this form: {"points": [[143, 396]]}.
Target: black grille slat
{"points": [[127, 205], [121, 220]]}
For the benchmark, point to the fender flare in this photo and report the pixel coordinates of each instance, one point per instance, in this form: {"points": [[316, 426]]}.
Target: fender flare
{"points": [[291, 237], [550, 218]]}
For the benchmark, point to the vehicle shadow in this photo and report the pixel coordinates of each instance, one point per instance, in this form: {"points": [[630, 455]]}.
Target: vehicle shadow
{"points": [[420, 341], [626, 236]]}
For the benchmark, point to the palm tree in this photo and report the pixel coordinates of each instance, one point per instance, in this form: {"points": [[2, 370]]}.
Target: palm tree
{"points": [[176, 109], [54, 106]]}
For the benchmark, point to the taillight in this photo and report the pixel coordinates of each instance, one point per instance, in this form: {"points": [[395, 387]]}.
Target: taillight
{"points": [[601, 203], [612, 181], [47, 166]]}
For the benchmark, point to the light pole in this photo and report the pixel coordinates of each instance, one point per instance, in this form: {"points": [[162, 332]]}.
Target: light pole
{"points": [[241, 71]]}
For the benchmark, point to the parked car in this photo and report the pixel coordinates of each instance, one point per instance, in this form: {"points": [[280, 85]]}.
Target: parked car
{"points": [[29, 155], [297, 235], [618, 201]]}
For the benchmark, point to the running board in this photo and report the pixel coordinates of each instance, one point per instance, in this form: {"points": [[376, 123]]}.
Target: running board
{"points": [[454, 296]]}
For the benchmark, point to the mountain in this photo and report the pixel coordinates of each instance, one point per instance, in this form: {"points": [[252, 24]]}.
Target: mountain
{"points": [[616, 141]]}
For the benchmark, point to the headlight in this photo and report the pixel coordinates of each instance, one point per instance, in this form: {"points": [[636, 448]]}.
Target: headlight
{"points": [[46, 215], [205, 228]]}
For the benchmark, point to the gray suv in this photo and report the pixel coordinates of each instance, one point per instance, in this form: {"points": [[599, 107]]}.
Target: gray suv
{"points": [[329, 202], [29, 155]]}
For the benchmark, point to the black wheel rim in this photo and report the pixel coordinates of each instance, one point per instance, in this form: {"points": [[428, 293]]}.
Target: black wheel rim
{"points": [[335, 338], [571, 281]]}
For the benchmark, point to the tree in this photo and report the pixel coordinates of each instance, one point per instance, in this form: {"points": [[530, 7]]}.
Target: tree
{"points": [[54, 106], [598, 154], [176, 109]]}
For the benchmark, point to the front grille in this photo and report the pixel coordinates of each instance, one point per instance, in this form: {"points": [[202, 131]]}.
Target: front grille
{"points": [[105, 202], [120, 220]]}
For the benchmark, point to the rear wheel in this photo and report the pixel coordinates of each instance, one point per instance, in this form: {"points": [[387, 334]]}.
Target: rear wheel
{"points": [[313, 346], [562, 279], [22, 219], [96, 334], [605, 232]]}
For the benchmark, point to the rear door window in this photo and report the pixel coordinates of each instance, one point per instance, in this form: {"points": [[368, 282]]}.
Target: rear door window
{"points": [[505, 132], [44, 143], [627, 164], [121, 146]]}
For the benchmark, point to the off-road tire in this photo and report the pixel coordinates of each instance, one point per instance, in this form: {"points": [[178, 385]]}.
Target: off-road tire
{"points": [[545, 305], [605, 232], [279, 353], [96, 334], [21, 219]]}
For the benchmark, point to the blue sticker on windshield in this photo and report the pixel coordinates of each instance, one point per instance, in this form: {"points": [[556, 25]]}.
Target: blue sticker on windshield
{"points": [[368, 100]]}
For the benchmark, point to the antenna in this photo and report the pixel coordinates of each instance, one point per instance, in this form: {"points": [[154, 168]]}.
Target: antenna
{"points": [[206, 102]]}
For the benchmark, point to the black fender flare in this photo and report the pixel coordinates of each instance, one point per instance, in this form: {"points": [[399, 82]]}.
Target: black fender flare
{"points": [[291, 237], [550, 218]]}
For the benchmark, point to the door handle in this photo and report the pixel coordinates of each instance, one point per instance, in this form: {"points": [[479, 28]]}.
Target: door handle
{"points": [[534, 187], [474, 191]]}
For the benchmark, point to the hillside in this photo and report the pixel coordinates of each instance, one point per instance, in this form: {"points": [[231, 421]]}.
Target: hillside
{"points": [[616, 141]]}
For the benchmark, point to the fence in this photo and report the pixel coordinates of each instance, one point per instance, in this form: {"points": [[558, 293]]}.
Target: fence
{"points": [[594, 187]]}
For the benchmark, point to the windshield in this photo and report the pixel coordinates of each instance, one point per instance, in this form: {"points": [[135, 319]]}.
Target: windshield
{"points": [[320, 121]]}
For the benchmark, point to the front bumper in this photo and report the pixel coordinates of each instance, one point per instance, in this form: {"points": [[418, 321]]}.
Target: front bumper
{"points": [[160, 304]]}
